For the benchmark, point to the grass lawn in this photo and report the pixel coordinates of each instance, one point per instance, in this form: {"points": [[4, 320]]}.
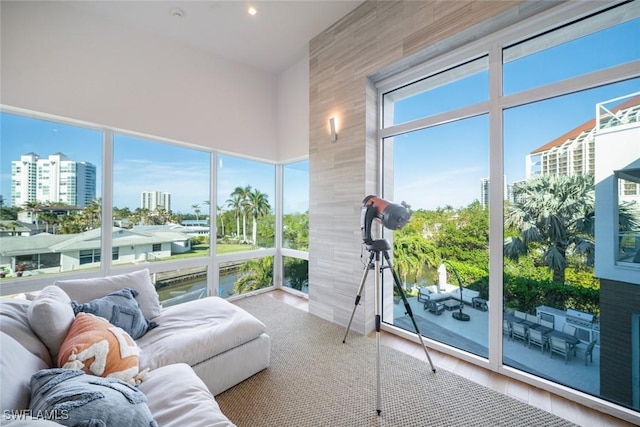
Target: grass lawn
{"points": [[203, 250]]}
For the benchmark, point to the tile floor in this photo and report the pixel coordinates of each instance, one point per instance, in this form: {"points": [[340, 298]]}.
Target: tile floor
{"points": [[543, 399]]}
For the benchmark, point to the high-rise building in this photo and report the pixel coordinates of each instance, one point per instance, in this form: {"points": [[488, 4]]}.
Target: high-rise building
{"points": [[574, 152], [54, 179], [155, 200], [484, 191]]}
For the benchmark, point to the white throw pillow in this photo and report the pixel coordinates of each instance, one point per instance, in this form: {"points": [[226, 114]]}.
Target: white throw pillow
{"points": [[86, 290], [50, 316], [17, 365]]}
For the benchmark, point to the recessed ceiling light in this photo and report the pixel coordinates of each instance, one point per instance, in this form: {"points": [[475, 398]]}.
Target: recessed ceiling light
{"points": [[176, 12], [252, 10]]}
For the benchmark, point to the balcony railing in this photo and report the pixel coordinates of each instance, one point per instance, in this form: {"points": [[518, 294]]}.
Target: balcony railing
{"points": [[620, 111]]}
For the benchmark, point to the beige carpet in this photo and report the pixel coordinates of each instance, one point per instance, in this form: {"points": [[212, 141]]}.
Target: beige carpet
{"points": [[316, 380]]}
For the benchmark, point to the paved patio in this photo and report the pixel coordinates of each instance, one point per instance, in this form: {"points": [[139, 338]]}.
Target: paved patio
{"points": [[473, 335]]}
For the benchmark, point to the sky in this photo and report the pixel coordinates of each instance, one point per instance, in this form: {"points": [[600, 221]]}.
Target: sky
{"points": [[444, 165], [145, 166], [433, 167]]}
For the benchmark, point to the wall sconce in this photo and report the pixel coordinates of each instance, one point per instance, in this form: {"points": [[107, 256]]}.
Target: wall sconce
{"points": [[332, 126]]}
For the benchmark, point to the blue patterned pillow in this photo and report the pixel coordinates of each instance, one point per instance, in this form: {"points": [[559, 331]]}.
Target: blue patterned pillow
{"points": [[121, 309], [72, 398]]}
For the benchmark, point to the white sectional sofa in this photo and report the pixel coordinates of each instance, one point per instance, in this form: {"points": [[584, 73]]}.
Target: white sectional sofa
{"points": [[197, 350], [430, 293]]}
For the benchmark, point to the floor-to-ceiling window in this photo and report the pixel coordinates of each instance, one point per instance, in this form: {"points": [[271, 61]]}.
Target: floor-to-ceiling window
{"points": [[196, 235], [161, 212], [50, 202], [246, 224], [504, 132], [295, 225]]}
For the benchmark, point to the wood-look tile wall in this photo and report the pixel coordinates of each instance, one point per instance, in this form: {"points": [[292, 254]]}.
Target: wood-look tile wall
{"points": [[619, 307], [343, 60]]}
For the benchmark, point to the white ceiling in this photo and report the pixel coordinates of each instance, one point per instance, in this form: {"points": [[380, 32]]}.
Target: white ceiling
{"points": [[271, 40]]}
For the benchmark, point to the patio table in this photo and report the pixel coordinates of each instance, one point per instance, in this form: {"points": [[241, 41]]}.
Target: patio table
{"points": [[572, 340]]}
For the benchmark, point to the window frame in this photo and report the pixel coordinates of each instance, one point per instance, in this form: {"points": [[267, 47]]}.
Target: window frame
{"points": [[448, 55], [34, 283]]}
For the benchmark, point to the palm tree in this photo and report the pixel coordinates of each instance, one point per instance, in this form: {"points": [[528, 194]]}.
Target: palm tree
{"points": [[141, 216], [255, 274], [258, 206], [11, 225], [196, 209], [220, 210], [92, 214], [243, 198], [33, 206], [411, 253], [235, 203], [49, 219], [555, 216]]}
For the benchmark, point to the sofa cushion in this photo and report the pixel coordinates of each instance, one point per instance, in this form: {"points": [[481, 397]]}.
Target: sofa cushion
{"points": [[73, 398], [99, 348], [50, 316], [14, 321], [17, 365], [177, 397], [85, 290], [121, 309], [196, 331]]}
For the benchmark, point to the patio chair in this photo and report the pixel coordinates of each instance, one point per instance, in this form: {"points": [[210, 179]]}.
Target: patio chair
{"points": [[423, 295], [559, 346], [536, 338], [587, 349], [546, 323], [519, 331], [531, 318], [520, 315], [506, 328], [568, 329], [434, 307]]}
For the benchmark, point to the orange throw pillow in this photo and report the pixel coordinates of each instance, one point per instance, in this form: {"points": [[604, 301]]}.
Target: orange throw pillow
{"points": [[99, 348]]}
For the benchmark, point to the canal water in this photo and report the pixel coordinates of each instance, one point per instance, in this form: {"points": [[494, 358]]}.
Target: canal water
{"points": [[196, 287]]}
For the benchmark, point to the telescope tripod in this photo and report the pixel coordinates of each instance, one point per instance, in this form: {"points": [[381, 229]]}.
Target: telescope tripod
{"points": [[376, 249]]}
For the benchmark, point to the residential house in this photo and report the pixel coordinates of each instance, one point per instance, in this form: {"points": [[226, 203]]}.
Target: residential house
{"points": [[118, 69]]}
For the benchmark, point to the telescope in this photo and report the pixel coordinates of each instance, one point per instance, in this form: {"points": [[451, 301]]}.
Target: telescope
{"points": [[391, 215]]}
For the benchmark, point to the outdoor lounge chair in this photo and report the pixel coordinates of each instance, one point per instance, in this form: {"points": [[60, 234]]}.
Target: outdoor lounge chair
{"points": [[434, 307]]}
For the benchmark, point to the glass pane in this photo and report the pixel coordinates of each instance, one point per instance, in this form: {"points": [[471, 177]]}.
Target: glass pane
{"points": [[246, 192], [160, 200], [177, 286], [438, 93], [295, 221], [439, 171], [296, 274], [240, 277], [52, 172], [589, 45], [629, 214], [554, 323]]}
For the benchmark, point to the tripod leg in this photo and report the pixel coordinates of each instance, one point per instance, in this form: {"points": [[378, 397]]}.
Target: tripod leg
{"points": [[407, 307], [368, 267], [378, 310]]}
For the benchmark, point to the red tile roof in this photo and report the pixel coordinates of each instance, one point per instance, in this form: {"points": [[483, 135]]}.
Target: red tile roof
{"points": [[587, 126]]}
